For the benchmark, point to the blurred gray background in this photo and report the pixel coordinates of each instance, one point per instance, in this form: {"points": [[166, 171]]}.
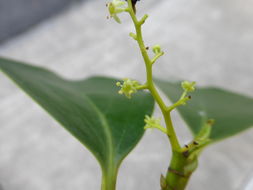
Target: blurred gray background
{"points": [[209, 41], [17, 16]]}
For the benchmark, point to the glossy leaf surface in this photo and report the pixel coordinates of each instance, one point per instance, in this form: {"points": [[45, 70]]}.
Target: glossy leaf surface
{"points": [[108, 124], [233, 113]]}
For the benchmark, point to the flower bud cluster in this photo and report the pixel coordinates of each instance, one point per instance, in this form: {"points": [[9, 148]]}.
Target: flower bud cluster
{"points": [[151, 122], [115, 7], [188, 86], [128, 87]]}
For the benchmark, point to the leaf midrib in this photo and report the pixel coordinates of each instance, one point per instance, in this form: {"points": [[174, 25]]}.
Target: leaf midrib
{"points": [[106, 129]]}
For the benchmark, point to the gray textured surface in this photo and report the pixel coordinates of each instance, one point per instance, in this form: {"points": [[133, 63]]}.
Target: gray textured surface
{"points": [[18, 15], [208, 41]]}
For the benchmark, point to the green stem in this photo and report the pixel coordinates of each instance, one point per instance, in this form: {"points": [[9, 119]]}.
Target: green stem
{"points": [[157, 57], [109, 180], [181, 165], [179, 171], [150, 84]]}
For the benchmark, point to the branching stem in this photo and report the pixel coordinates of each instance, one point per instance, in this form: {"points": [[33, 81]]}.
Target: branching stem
{"points": [[181, 165], [157, 57], [150, 84]]}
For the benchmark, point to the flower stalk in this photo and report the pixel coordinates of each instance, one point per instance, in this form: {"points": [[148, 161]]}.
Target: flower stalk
{"points": [[149, 75], [184, 159], [180, 163]]}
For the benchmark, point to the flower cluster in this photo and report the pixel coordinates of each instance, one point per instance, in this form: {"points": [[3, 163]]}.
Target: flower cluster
{"points": [[128, 87], [152, 122], [188, 86], [115, 7]]}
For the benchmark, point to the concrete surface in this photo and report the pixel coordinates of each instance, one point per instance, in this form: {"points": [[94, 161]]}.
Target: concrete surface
{"points": [[18, 15], [209, 41]]}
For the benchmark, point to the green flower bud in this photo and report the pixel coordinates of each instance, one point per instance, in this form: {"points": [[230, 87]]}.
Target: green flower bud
{"points": [[115, 7], [151, 122], [156, 49], [188, 86], [128, 87]]}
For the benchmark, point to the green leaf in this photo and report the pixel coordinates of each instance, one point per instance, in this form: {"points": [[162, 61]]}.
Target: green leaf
{"points": [[108, 124], [233, 113]]}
